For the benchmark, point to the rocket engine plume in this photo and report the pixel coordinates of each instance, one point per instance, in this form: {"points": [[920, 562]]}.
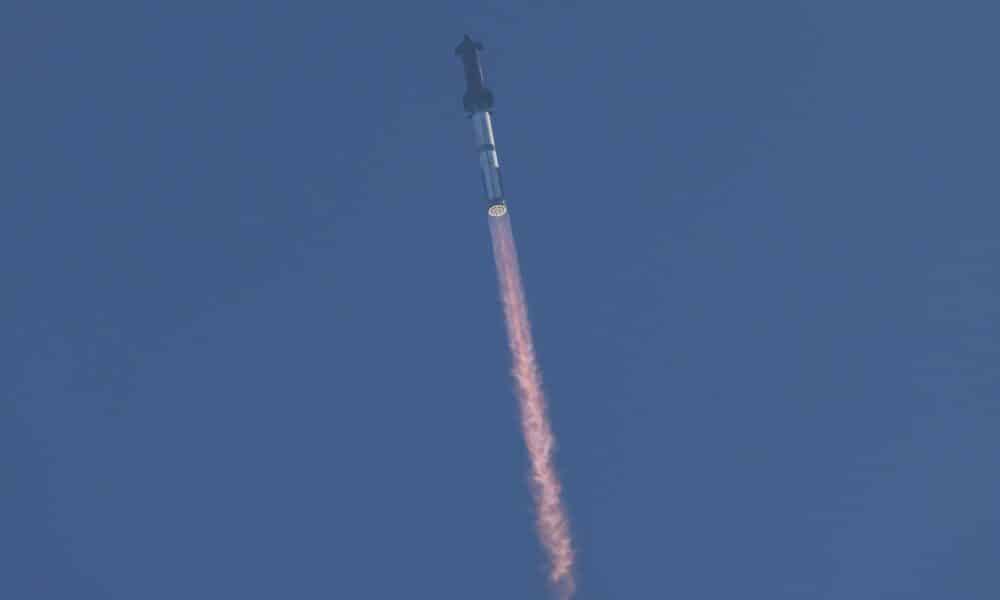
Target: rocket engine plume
{"points": [[553, 523]]}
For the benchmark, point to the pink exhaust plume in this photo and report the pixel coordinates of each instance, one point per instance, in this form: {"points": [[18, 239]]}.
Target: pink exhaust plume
{"points": [[553, 524]]}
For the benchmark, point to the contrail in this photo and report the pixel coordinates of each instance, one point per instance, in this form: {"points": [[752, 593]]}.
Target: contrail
{"points": [[553, 524]]}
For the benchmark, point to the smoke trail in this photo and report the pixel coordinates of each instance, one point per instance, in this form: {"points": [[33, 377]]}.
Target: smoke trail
{"points": [[553, 524]]}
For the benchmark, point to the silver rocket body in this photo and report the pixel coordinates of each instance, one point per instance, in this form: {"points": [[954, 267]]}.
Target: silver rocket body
{"points": [[489, 163], [478, 102]]}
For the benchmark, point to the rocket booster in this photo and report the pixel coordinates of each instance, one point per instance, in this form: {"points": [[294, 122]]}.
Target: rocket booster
{"points": [[478, 102]]}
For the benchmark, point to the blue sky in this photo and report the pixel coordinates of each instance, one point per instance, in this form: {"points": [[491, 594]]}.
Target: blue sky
{"points": [[253, 342]]}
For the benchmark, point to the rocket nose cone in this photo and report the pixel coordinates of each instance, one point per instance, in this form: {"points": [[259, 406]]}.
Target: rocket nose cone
{"points": [[468, 46]]}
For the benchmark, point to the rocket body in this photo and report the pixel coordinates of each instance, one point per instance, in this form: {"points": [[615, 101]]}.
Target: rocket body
{"points": [[489, 164], [478, 101]]}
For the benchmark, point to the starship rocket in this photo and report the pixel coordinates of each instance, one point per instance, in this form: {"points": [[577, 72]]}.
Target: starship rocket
{"points": [[478, 102]]}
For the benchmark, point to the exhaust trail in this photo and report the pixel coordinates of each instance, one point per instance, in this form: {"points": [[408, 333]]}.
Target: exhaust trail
{"points": [[552, 520]]}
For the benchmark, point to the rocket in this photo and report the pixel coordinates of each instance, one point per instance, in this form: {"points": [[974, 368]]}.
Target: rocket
{"points": [[478, 102]]}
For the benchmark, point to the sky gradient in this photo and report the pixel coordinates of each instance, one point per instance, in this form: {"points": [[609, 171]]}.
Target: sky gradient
{"points": [[253, 346]]}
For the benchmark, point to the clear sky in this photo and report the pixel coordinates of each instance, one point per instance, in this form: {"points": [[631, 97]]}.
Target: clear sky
{"points": [[252, 346]]}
